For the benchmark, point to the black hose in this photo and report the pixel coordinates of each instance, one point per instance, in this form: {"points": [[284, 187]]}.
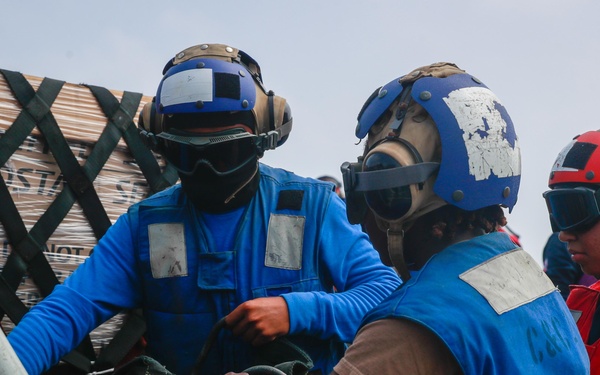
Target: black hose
{"points": [[264, 370], [210, 340]]}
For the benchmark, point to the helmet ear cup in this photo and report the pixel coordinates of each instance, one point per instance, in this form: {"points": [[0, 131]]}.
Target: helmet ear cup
{"points": [[149, 125], [278, 117]]}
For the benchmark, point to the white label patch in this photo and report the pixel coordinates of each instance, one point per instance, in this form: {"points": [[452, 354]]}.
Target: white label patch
{"points": [[168, 256], [188, 86], [483, 132], [509, 280], [284, 242], [560, 159]]}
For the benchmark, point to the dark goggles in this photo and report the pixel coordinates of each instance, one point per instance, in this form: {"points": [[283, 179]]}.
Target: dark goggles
{"points": [[574, 209], [223, 152]]}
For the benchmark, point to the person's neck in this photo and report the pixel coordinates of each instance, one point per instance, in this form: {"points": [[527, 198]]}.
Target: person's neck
{"points": [[466, 235], [434, 246]]}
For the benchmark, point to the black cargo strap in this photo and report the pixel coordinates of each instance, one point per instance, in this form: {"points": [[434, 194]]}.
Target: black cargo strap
{"points": [[121, 123], [28, 247], [131, 331], [35, 112], [25, 246], [36, 108], [121, 117], [16, 310]]}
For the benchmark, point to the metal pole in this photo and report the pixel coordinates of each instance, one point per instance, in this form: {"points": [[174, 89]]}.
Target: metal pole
{"points": [[9, 362]]}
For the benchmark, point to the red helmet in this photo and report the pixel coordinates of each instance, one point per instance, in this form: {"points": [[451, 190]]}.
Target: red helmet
{"points": [[574, 201], [578, 162]]}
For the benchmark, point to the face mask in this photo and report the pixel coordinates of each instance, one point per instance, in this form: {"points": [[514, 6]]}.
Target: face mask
{"points": [[215, 193]]}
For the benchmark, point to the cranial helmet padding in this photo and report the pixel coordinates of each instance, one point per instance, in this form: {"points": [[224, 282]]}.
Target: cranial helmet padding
{"points": [[435, 136]]}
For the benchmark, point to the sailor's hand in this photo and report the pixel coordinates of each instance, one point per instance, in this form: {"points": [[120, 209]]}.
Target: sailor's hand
{"points": [[260, 320]]}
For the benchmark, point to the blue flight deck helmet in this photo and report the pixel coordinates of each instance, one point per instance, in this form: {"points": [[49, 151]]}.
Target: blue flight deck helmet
{"points": [[435, 136], [211, 86]]}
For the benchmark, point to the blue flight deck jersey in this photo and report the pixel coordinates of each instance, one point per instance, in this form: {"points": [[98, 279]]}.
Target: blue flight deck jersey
{"points": [[494, 308]]}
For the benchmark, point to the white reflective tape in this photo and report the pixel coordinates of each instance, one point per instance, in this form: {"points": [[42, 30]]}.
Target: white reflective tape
{"points": [[284, 242], [188, 86], [509, 280], [483, 127], [168, 256], [560, 159]]}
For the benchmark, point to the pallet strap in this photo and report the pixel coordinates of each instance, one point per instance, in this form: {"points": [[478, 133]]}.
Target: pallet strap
{"points": [[35, 112], [27, 255], [28, 248], [121, 117]]}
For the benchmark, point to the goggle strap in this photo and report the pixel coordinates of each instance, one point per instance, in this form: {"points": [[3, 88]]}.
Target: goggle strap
{"points": [[390, 178], [268, 141]]}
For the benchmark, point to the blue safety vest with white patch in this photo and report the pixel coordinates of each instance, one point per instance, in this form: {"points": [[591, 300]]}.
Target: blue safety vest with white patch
{"points": [[493, 306], [276, 251]]}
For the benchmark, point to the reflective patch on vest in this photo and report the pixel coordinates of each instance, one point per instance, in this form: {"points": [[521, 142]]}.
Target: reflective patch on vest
{"points": [[284, 242], [509, 280], [576, 314], [168, 255]]}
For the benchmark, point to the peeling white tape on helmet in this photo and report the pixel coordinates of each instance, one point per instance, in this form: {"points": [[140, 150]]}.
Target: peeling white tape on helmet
{"points": [[488, 150]]}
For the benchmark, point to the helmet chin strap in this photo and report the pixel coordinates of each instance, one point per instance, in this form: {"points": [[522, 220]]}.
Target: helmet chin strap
{"points": [[395, 240], [243, 184], [395, 233]]}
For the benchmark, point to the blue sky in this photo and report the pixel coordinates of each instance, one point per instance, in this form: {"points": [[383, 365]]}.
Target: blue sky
{"points": [[326, 57]]}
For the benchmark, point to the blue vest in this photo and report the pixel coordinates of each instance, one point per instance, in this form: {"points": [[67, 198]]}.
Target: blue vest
{"points": [[191, 286], [537, 337]]}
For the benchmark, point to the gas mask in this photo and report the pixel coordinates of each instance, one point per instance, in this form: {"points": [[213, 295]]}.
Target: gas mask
{"points": [[394, 179]]}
